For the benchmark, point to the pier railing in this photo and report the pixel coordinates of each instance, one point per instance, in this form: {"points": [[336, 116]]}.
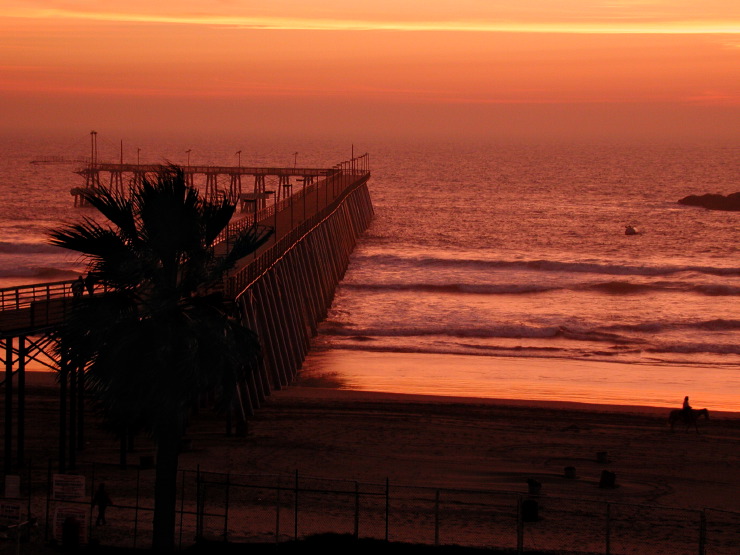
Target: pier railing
{"points": [[327, 192], [240, 279], [23, 296]]}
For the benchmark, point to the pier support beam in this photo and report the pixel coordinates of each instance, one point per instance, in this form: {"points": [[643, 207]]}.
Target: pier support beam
{"points": [[8, 444], [285, 304], [21, 445]]}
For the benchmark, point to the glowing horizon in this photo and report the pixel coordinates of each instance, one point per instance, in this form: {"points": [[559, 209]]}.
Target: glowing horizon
{"points": [[680, 27], [418, 64]]}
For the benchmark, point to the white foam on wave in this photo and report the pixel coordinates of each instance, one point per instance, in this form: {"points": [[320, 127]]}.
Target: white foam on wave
{"points": [[543, 265]]}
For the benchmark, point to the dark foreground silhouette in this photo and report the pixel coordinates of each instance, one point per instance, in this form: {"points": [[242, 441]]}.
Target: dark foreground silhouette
{"points": [[326, 544]]}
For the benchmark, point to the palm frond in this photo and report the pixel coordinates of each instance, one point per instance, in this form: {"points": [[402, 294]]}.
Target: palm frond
{"points": [[113, 260], [247, 242], [216, 216], [115, 207]]}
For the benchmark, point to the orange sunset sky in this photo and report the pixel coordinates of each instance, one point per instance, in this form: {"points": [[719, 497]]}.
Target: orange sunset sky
{"points": [[516, 68]]}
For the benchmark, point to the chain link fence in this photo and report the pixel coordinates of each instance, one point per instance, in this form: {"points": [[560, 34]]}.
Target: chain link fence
{"points": [[243, 508], [280, 508]]}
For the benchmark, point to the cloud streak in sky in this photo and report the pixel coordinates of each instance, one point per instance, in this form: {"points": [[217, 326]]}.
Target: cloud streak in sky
{"points": [[268, 22]]}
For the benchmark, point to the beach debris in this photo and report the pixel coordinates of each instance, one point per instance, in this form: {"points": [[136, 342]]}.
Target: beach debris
{"points": [[530, 510], [534, 486], [608, 480]]}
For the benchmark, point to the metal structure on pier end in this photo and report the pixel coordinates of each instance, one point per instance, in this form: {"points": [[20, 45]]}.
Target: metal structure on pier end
{"points": [[217, 181]]}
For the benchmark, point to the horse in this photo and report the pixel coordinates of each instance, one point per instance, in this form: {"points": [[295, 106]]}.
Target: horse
{"points": [[688, 417]]}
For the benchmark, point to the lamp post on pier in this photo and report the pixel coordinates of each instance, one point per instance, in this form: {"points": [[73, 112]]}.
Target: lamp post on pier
{"points": [[93, 148], [288, 190], [188, 153], [303, 190], [239, 158]]}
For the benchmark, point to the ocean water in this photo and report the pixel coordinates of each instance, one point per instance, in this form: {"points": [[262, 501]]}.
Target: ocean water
{"points": [[486, 261], [504, 271]]}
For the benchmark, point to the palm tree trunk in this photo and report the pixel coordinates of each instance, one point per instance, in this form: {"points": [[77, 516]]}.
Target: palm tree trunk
{"points": [[165, 488]]}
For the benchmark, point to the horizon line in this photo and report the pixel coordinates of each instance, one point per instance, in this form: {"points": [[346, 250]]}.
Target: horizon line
{"points": [[675, 27]]}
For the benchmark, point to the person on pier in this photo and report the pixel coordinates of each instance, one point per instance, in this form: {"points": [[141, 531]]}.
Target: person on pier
{"points": [[90, 281], [78, 287]]}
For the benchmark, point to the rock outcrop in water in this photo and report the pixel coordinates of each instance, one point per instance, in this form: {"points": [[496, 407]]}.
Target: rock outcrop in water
{"points": [[713, 201]]}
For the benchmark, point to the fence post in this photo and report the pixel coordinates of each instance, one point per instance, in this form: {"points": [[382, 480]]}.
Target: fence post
{"points": [[48, 503], [136, 510], [357, 510], [519, 526], [295, 509], [702, 532], [30, 488], [387, 506], [182, 505], [199, 503], [92, 494], [226, 510], [608, 530], [436, 518], [277, 511]]}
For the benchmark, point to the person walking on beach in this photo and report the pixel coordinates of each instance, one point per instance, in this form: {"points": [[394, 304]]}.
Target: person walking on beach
{"points": [[102, 500], [78, 287]]}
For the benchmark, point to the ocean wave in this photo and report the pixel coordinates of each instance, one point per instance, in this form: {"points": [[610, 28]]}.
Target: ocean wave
{"points": [[668, 351], [696, 348], [475, 289], [28, 248], [619, 339], [630, 288], [715, 324], [614, 287], [39, 273], [721, 355], [718, 290], [475, 332], [451, 349], [623, 287], [444, 330], [545, 265]]}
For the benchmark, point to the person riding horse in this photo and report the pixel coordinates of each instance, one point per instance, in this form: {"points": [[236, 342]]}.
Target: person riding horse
{"points": [[687, 415]]}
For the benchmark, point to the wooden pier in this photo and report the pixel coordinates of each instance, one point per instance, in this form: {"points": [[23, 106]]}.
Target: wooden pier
{"points": [[283, 290]]}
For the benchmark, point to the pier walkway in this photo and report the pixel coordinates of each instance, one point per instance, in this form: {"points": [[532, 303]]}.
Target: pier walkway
{"points": [[283, 291]]}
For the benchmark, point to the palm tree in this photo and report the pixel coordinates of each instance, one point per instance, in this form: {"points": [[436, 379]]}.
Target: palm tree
{"points": [[162, 334]]}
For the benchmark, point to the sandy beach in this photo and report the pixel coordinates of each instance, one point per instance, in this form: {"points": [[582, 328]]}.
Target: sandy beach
{"points": [[450, 442], [486, 444]]}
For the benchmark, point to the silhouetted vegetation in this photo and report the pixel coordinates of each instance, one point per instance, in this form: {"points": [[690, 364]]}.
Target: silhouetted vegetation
{"points": [[162, 334]]}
